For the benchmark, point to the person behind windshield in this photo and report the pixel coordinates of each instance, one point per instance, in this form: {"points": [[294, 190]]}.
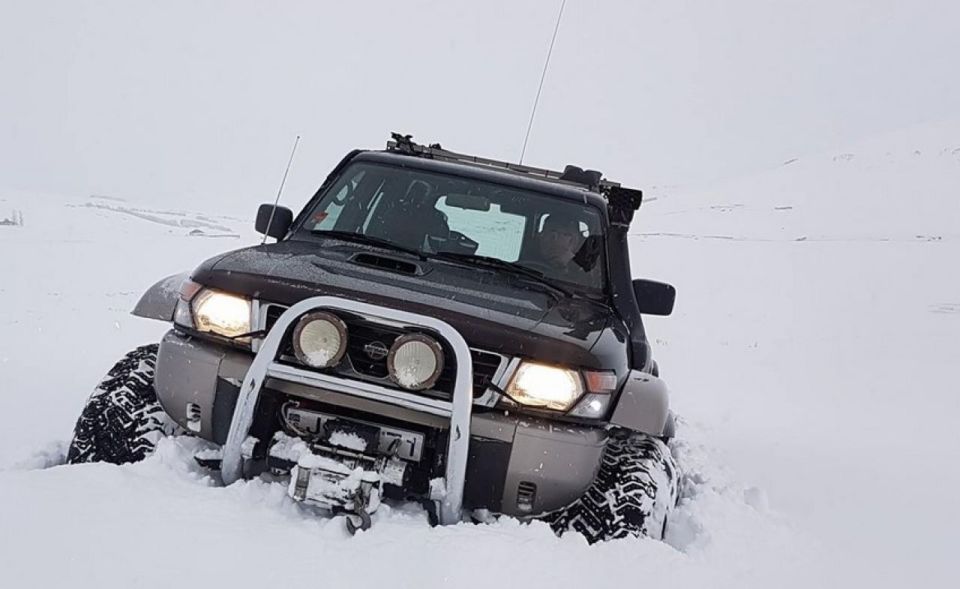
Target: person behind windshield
{"points": [[557, 244], [411, 221]]}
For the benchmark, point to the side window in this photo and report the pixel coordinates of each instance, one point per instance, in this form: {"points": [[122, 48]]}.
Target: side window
{"points": [[499, 234]]}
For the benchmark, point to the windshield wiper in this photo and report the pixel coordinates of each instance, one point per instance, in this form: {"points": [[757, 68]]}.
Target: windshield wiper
{"points": [[369, 240], [498, 264]]}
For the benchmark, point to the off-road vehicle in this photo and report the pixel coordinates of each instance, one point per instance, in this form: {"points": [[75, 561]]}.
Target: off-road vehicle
{"points": [[431, 327]]}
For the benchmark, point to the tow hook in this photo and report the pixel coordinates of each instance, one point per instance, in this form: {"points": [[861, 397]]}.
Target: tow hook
{"points": [[359, 519]]}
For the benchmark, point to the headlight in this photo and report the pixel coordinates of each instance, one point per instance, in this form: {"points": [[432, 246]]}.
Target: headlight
{"points": [[549, 387], [320, 339], [221, 313], [415, 361]]}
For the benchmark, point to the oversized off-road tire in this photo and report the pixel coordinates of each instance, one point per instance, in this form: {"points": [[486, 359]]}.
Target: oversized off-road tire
{"points": [[122, 421], [637, 486]]}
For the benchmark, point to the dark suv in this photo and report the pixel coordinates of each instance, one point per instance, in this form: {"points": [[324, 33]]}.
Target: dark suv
{"points": [[431, 327]]}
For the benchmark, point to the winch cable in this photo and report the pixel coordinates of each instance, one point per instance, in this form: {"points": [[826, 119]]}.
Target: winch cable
{"points": [[543, 76]]}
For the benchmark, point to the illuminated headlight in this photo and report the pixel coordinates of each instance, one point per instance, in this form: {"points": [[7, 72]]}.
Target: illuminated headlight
{"points": [[549, 387], [320, 339], [220, 313], [415, 361]]}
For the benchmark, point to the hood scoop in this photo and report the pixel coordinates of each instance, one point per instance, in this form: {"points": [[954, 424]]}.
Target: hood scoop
{"points": [[387, 263]]}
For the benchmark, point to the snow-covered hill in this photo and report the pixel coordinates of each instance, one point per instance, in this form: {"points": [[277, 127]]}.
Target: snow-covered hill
{"points": [[816, 337], [810, 357]]}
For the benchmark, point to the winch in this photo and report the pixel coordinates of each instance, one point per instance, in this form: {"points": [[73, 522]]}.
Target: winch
{"points": [[344, 465]]}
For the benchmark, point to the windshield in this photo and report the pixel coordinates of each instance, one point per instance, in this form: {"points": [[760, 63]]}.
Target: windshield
{"points": [[439, 214]]}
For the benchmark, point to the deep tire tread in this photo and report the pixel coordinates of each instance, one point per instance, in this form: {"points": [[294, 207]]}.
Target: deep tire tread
{"points": [[122, 420], [637, 485]]}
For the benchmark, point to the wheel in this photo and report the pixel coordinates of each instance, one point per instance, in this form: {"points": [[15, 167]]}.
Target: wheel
{"points": [[122, 420], [637, 486]]}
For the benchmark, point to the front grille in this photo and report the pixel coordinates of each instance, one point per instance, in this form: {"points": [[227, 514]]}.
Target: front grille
{"points": [[485, 365], [273, 313], [363, 333]]}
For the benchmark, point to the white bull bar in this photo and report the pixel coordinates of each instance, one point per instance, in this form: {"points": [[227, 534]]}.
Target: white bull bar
{"points": [[459, 409]]}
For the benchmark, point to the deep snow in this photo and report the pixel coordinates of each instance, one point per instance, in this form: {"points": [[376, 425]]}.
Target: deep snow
{"points": [[809, 355]]}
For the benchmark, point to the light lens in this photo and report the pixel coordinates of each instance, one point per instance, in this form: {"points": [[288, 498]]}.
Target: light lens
{"points": [[600, 381], [221, 313], [550, 387], [189, 289], [182, 315], [592, 406], [415, 361], [320, 340]]}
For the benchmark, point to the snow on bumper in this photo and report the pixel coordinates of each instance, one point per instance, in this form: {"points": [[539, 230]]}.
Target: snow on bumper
{"points": [[335, 478], [265, 366]]}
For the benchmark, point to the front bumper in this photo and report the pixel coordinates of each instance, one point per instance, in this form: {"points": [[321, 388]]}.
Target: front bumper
{"points": [[516, 465]]}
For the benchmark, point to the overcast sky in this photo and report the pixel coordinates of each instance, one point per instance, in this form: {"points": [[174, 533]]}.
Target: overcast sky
{"points": [[187, 102]]}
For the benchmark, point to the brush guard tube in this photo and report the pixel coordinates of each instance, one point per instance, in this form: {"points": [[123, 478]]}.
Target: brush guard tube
{"points": [[458, 410]]}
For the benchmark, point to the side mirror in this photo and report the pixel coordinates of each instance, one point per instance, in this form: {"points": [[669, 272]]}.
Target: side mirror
{"points": [[278, 227], [654, 298]]}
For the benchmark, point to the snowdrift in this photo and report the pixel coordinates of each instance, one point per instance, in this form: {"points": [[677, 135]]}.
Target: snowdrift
{"points": [[817, 317]]}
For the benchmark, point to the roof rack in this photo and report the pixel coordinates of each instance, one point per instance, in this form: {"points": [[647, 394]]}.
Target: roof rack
{"points": [[626, 200], [590, 179]]}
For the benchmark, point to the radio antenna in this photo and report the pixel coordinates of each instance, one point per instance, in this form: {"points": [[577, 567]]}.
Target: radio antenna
{"points": [[280, 190], [543, 76]]}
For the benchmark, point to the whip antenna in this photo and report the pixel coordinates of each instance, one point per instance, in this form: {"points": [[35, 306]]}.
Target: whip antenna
{"points": [[542, 78], [280, 190]]}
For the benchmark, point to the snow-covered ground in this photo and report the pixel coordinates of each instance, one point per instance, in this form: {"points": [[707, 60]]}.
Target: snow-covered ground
{"points": [[809, 355]]}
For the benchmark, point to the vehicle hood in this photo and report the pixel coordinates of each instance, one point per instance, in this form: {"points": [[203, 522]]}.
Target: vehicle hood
{"points": [[492, 310]]}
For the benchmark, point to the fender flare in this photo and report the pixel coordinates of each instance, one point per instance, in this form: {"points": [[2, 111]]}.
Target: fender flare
{"points": [[160, 300], [644, 405]]}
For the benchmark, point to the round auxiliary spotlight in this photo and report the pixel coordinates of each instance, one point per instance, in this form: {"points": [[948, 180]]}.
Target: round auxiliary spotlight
{"points": [[415, 361], [320, 339]]}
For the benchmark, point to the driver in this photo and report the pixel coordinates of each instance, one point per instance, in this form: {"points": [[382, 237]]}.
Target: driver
{"points": [[413, 221], [558, 242]]}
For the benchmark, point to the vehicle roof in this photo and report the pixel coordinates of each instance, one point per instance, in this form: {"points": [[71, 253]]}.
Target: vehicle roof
{"points": [[549, 187]]}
